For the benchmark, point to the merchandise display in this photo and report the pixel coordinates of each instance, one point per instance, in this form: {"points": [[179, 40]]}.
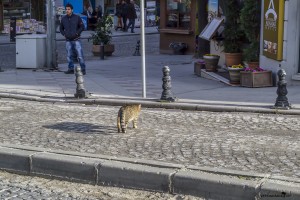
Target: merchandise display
{"points": [[21, 11]]}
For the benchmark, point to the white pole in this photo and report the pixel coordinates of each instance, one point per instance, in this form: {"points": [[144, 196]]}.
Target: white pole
{"points": [[142, 26], [49, 34], [54, 49]]}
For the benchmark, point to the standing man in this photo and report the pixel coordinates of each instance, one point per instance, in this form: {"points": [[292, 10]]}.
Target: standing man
{"points": [[71, 27], [131, 15]]}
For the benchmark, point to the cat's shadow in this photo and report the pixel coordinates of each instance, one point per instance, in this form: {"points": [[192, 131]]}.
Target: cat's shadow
{"points": [[84, 128]]}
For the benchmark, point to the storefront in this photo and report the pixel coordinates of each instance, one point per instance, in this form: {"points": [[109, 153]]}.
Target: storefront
{"points": [[279, 37], [181, 21], [29, 15], [290, 60], [177, 24]]}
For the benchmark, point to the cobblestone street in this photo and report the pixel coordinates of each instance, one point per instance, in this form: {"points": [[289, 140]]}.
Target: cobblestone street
{"points": [[241, 141]]}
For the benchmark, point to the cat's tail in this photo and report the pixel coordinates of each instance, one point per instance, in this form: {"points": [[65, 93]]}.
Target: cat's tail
{"points": [[119, 121]]}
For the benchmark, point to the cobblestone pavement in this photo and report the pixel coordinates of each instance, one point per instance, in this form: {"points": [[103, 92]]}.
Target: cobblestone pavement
{"points": [[241, 141], [124, 46], [18, 187]]}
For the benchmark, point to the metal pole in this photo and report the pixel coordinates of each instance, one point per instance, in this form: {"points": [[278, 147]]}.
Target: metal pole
{"points": [[143, 46], [54, 52], [49, 34]]}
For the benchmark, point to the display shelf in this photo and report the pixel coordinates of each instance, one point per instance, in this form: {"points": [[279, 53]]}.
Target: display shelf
{"points": [[14, 8], [18, 9]]}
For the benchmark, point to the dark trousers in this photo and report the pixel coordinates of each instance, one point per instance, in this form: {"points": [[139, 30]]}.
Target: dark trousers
{"points": [[131, 23], [124, 23]]}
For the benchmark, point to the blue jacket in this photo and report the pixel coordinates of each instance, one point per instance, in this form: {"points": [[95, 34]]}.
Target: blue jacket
{"points": [[71, 27]]}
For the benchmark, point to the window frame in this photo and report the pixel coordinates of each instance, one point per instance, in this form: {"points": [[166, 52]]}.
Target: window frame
{"points": [[179, 23]]}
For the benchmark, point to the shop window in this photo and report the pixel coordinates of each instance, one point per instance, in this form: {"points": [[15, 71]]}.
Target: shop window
{"points": [[178, 14]]}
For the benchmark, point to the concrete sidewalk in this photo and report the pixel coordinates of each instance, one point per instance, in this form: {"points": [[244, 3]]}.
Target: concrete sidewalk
{"points": [[119, 78]]}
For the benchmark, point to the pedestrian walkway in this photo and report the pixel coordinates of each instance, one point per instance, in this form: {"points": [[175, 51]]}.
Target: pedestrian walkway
{"points": [[121, 78]]}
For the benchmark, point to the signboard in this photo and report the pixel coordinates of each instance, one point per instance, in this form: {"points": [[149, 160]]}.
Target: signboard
{"points": [[273, 29], [210, 29], [84, 20]]}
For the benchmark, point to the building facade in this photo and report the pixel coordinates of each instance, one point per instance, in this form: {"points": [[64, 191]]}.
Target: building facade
{"points": [[290, 61], [177, 27]]}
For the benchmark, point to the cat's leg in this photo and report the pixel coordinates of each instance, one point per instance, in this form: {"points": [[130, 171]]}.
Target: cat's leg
{"points": [[124, 128], [119, 124], [134, 123]]}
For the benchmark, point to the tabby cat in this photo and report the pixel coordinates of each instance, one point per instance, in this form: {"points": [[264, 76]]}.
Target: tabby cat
{"points": [[128, 113]]}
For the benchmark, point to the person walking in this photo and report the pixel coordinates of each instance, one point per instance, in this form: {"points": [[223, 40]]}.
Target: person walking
{"points": [[124, 14], [119, 15], [96, 17], [131, 15], [71, 27], [99, 14]]}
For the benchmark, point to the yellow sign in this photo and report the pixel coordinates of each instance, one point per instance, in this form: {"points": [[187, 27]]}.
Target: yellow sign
{"points": [[273, 29]]}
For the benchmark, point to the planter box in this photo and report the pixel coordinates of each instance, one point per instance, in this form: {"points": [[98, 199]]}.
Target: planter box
{"points": [[197, 68], [256, 79]]}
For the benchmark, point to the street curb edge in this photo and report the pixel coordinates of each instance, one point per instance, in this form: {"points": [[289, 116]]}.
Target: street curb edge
{"points": [[156, 177]]}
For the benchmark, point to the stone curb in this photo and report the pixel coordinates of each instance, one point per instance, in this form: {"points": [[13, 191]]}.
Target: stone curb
{"points": [[145, 174], [155, 103]]}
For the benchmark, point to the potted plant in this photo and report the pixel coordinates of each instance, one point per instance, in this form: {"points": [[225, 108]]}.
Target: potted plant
{"points": [[234, 73], [103, 35], [233, 34], [179, 48], [250, 24], [211, 62]]}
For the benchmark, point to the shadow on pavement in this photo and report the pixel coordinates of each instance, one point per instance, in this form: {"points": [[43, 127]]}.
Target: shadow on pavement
{"points": [[84, 128]]}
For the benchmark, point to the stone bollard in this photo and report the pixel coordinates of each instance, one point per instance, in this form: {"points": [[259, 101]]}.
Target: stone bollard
{"points": [[80, 91], [167, 93], [282, 101], [137, 49]]}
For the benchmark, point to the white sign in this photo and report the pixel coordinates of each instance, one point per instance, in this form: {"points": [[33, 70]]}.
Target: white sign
{"points": [[210, 29]]}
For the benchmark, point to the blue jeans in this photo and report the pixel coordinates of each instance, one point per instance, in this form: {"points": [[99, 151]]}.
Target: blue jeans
{"points": [[70, 47]]}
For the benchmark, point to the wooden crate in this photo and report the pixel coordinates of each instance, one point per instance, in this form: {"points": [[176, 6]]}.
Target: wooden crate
{"points": [[256, 79]]}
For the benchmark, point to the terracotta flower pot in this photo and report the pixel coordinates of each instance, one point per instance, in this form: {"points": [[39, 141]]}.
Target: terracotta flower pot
{"points": [[108, 49], [233, 59]]}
